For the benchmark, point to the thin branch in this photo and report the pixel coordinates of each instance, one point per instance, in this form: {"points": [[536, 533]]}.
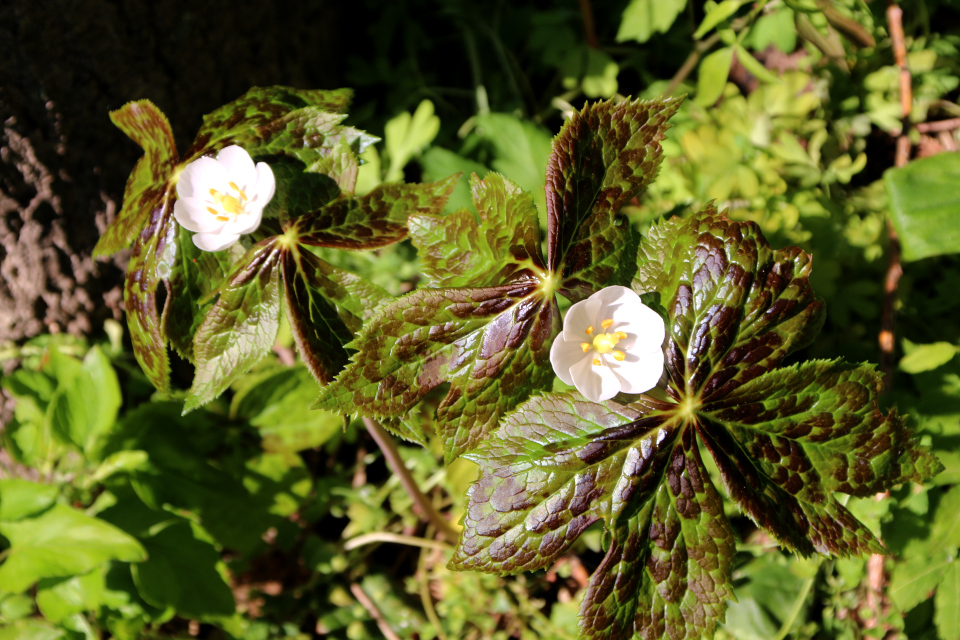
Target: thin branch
{"points": [[690, 63], [371, 608], [399, 538], [389, 448], [939, 125], [586, 13]]}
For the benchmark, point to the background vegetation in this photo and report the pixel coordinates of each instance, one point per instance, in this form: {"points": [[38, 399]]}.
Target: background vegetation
{"points": [[258, 518]]}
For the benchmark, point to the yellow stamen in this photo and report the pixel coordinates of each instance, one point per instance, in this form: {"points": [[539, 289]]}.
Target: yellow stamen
{"points": [[620, 335], [605, 342], [232, 205], [223, 218], [243, 194], [585, 346], [213, 211], [589, 330], [619, 356], [216, 194], [233, 185], [606, 323], [596, 362]]}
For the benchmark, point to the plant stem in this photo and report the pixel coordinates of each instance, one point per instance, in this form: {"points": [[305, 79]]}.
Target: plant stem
{"points": [[589, 30], [797, 607], [374, 612], [399, 538], [690, 63], [389, 448]]}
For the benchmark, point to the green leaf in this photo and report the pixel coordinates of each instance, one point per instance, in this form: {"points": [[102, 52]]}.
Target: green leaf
{"points": [[30, 629], [754, 66], [22, 498], [590, 70], [927, 357], [520, 151], [439, 163], [61, 542], [602, 158], [147, 188], [59, 598], [643, 18], [712, 76], [457, 252], [947, 603], [195, 276], [176, 552], [371, 221], [924, 205], [88, 406], [912, 581], [945, 533], [776, 28], [241, 327], [717, 13], [407, 135]]}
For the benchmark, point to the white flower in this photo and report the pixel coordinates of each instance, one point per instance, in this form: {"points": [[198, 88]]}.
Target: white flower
{"points": [[223, 198], [610, 342]]}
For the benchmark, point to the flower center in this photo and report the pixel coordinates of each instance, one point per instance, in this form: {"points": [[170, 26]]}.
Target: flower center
{"points": [[231, 204], [604, 342]]}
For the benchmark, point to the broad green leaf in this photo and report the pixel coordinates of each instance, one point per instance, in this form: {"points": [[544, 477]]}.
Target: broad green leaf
{"points": [[15, 606], [455, 251], [22, 498], [927, 357], [489, 341], [58, 598], [715, 14], [947, 603], [407, 135], [241, 327], [147, 188], [182, 572], [776, 28], [924, 205], [30, 629], [602, 158], [195, 276], [945, 533], [912, 581], [88, 405], [643, 18], [439, 163], [61, 542], [712, 76], [371, 221], [520, 151], [736, 307]]}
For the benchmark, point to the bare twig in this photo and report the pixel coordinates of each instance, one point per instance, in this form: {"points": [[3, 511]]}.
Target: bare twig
{"points": [[371, 608], [690, 63], [386, 536], [389, 448], [586, 12], [939, 125]]}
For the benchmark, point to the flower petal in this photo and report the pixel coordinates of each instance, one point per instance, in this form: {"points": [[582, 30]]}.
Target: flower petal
{"points": [[238, 165], [266, 185], [638, 372], [247, 223], [192, 214], [596, 383], [643, 325], [198, 177], [564, 354], [581, 316], [214, 241]]}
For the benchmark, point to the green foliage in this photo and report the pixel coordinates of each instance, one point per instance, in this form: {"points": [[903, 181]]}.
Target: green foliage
{"points": [[922, 205]]}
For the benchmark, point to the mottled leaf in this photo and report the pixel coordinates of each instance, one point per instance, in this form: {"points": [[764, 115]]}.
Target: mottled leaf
{"points": [[736, 307], [456, 251], [491, 344], [195, 276], [249, 120], [151, 262], [602, 158], [371, 221], [326, 306], [241, 327], [147, 187]]}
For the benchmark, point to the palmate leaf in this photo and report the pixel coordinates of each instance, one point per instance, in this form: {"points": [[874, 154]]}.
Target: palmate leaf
{"points": [[785, 440], [488, 326], [602, 158]]}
